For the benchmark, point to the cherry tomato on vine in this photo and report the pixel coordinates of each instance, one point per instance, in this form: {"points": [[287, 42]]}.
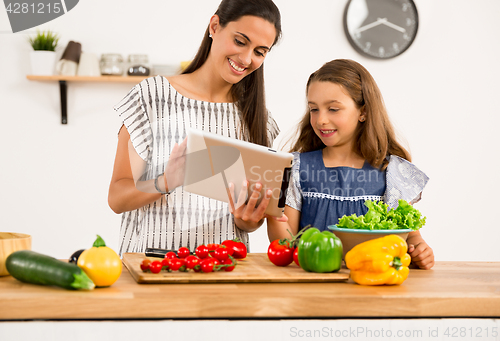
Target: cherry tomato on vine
{"points": [[296, 256], [229, 246], [220, 253], [239, 248], [165, 262], [183, 252], [171, 255], [191, 261], [228, 261], [155, 266], [176, 264], [212, 247], [202, 251], [145, 264], [207, 265], [280, 253]]}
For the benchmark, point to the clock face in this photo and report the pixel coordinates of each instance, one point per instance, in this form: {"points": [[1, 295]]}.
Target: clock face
{"points": [[381, 28]]}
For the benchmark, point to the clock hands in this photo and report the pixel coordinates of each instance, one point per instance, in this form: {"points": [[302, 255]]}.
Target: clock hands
{"points": [[396, 27], [373, 24], [381, 21]]}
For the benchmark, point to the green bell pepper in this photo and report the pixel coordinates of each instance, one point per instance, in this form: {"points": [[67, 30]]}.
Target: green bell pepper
{"points": [[320, 251]]}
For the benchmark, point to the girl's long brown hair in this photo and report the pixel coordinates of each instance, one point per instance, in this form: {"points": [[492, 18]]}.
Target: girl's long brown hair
{"points": [[375, 137], [249, 92]]}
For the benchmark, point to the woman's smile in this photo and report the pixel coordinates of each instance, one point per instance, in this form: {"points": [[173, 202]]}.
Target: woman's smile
{"points": [[239, 70]]}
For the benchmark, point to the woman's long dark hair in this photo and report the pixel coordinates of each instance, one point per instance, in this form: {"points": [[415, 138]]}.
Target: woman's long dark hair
{"points": [[375, 138], [249, 92]]}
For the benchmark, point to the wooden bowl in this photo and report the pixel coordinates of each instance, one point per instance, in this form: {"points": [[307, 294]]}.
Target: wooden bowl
{"points": [[11, 242], [352, 237]]}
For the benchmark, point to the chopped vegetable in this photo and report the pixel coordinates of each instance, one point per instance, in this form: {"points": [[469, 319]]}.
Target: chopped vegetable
{"points": [[379, 217]]}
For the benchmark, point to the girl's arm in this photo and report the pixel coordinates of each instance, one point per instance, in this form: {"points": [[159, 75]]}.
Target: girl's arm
{"points": [[278, 229], [421, 254]]}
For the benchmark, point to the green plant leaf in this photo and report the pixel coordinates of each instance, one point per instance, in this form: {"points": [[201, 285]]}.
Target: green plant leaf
{"points": [[44, 41]]}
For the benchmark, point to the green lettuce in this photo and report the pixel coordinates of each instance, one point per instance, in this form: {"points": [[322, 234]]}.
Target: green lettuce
{"points": [[380, 217]]}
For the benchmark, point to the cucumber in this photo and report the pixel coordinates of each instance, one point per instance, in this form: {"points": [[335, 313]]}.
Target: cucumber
{"points": [[33, 267]]}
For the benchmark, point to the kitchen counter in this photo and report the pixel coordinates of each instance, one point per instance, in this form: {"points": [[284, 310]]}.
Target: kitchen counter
{"points": [[450, 289]]}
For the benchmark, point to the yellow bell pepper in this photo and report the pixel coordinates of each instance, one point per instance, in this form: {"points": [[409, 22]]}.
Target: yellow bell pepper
{"points": [[379, 261]]}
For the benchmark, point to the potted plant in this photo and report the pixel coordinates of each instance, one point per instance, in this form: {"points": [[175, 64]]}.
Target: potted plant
{"points": [[43, 56]]}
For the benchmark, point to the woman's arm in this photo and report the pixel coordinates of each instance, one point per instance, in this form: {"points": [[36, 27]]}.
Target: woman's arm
{"points": [[123, 194], [278, 229]]}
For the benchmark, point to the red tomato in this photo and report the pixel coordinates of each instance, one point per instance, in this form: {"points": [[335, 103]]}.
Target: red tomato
{"points": [[165, 263], [202, 251], [207, 265], [155, 266], [228, 261], [176, 264], [191, 261], [279, 253], [228, 245], [183, 252], [296, 256], [220, 253], [171, 255], [212, 247], [145, 264], [239, 248]]}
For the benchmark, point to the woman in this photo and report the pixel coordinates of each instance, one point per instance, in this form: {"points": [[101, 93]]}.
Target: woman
{"points": [[221, 91]]}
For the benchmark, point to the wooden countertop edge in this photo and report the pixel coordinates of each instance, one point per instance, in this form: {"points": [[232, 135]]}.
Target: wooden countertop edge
{"points": [[268, 307], [451, 290]]}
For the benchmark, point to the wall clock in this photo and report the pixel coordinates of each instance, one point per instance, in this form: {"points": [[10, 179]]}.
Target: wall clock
{"points": [[381, 29]]}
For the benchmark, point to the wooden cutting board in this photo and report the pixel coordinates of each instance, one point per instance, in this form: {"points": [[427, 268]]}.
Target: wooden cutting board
{"points": [[255, 268]]}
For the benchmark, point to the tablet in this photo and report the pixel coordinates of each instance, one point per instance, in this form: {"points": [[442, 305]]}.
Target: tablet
{"points": [[214, 161]]}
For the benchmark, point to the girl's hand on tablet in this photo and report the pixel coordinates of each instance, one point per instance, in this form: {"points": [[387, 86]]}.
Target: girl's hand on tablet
{"points": [[247, 214]]}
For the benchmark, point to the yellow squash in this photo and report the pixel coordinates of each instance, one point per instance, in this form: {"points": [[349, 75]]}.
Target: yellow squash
{"points": [[101, 264], [379, 261]]}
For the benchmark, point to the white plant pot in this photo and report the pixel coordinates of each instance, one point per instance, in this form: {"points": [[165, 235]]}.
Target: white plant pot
{"points": [[43, 62]]}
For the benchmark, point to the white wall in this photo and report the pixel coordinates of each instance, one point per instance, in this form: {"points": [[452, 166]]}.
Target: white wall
{"points": [[440, 95]]}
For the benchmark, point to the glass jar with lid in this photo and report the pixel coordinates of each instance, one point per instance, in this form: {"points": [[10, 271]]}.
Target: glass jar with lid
{"points": [[111, 64], [138, 65]]}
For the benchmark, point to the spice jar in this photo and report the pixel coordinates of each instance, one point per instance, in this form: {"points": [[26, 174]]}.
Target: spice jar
{"points": [[138, 65], [111, 64]]}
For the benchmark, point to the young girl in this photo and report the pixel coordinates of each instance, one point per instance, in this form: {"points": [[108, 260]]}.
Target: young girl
{"points": [[221, 91], [347, 153]]}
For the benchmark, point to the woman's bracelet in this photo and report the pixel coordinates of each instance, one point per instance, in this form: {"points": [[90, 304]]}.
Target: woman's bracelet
{"points": [[158, 187]]}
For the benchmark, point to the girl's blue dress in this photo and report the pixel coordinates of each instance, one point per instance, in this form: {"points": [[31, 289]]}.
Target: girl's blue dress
{"points": [[325, 194]]}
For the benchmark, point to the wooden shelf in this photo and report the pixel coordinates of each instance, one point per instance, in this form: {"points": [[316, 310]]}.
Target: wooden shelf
{"points": [[103, 79], [63, 86]]}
